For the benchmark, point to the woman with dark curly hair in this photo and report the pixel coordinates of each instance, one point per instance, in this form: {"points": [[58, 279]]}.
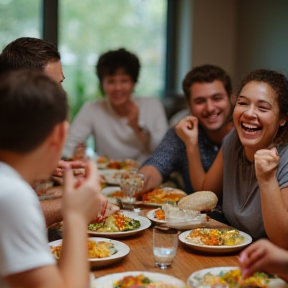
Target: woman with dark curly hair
{"points": [[252, 166], [123, 126]]}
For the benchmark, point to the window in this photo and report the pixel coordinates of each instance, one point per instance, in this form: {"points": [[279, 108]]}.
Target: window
{"points": [[89, 28], [16, 20]]}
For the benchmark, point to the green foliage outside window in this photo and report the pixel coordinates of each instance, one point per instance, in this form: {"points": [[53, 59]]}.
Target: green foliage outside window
{"points": [[88, 28]]}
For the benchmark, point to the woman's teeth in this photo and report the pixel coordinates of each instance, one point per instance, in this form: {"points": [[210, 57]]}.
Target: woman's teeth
{"points": [[250, 127]]}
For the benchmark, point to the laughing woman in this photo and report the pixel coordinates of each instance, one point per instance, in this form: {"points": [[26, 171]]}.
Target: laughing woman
{"points": [[123, 125], [251, 169]]}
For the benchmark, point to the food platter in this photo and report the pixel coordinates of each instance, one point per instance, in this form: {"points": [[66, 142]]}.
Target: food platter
{"points": [[111, 176], [151, 216], [107, 191], [196, 279], [122, 251], [215, 249], [144, 224], [160, 196], [106, 163], [108, 280]]}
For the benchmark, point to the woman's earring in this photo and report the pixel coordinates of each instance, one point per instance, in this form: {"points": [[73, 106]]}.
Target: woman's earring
{"points": [[282, 122]]}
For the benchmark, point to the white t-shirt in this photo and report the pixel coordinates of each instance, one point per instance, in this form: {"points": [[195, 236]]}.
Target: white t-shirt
{"points": [[23, 238], [113, 137]]}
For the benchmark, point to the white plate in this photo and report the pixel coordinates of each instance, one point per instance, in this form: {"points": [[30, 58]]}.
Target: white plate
{"points": [[144, 224], [108, 280], [151, 216], [167, 189], [108, 190], [109, 175], [216, 249], [122, 251], [194, 279]]}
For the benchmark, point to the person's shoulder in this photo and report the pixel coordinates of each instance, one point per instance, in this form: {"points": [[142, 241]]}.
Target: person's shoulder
{"points": [[172, 137], [96, 104], [148, 100], [231, 141], [283, 150]]}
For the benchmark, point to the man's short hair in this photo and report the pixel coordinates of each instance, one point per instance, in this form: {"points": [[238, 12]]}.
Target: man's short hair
{"points": [[109, 62], [27, 53], [206, 74], [31, 104]]}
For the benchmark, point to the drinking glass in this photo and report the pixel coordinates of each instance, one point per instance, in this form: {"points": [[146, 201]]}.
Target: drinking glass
{"points": [[130, 184], [165, 243]]}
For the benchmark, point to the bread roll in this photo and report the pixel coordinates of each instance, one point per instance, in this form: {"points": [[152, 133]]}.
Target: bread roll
{"points": [[199, 201]]}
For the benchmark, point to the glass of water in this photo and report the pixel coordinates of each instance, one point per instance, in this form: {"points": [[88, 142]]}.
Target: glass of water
{"points": [[165, 243]]}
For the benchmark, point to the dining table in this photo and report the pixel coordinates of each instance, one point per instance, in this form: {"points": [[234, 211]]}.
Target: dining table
{"points": [[186, 261]]}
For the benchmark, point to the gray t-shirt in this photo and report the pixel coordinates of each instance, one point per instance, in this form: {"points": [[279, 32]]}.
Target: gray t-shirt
{"points": [[241, 195]]}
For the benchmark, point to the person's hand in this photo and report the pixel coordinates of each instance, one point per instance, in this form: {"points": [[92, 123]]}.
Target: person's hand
{"points": [[80, 152], [132, 115], [262, 255], [73, 164], [83, 197], [187, 130], [266, 163]]}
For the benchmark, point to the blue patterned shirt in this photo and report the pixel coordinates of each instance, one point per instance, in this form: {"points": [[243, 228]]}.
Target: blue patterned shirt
{"points": [[171, 156]]}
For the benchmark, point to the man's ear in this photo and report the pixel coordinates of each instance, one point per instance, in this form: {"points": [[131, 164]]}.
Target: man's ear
{"points": [[59, 134]]}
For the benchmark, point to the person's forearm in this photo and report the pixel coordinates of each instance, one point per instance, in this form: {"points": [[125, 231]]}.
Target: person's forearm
{"points": [[73, 264], [274, 211], [52, 211], [196, 171], [152, 177]]}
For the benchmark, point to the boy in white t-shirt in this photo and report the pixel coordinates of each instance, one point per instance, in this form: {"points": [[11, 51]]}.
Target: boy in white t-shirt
{"points": [[33, 128]]}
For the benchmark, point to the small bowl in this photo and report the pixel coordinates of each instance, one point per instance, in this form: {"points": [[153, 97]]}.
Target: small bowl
{"points": [[185, 220]]}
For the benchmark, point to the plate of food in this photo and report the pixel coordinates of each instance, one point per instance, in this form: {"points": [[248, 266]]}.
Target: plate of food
{"points": [[159, 196], [230, 277], [138, 279], [156, 215], [215, 240], [113, 192], [104, 162], [101, 251], [119, 225], [111, 176]]}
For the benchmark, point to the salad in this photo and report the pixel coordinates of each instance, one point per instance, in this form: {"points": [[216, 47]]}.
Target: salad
{"points": [[115, 223]]}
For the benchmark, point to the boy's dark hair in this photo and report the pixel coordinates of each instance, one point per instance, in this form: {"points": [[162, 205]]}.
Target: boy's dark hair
{"points": [[109, 62], [31, 104], [206, 74], [27, 53]]}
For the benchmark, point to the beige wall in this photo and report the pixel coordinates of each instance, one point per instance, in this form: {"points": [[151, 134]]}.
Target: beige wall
{"points": [[214, 37], [238, 35], [262, 39]]}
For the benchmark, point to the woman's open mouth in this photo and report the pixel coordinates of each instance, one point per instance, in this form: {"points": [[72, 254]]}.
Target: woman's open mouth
{"points": [[250, 127]]}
